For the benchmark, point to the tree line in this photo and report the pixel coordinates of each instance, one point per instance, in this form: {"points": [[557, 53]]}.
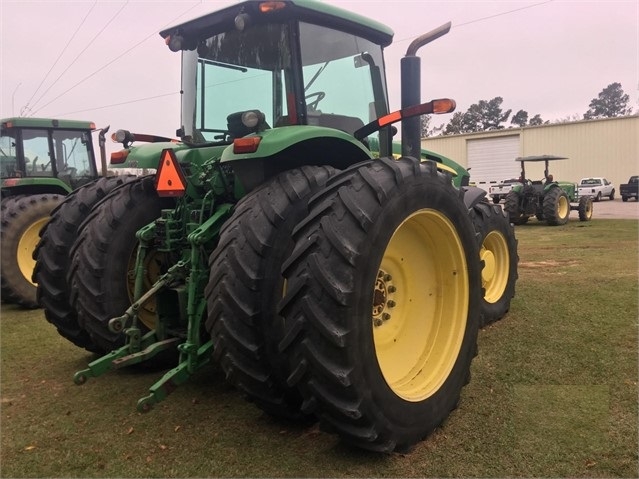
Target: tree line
{"points": [[485, 115]]}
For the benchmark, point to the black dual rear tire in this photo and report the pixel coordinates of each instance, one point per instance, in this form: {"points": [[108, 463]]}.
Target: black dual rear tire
{"points": [[498, 254], [245, 285], [382, 303], [53, 258], [103, 259]]}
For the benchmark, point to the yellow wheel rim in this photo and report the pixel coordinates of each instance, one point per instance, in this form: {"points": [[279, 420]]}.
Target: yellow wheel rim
{"points": [[420, 305], [589, 210], [152, 272], [563, 207], [494, 275], [27, 245]]}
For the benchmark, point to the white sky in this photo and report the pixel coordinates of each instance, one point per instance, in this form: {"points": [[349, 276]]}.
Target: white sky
{"points": [[547, 57]]}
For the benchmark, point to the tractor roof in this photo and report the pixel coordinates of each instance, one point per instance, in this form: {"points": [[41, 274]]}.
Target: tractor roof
{"points": [[306, 10], [540, 158], [21, 122]]}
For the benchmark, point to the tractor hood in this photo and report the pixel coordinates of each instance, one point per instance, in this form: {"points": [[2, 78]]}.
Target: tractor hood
{"points": [[148, 155]]}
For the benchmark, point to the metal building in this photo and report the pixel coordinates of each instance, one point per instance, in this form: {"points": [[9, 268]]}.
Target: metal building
{"points": [[608, 148]]}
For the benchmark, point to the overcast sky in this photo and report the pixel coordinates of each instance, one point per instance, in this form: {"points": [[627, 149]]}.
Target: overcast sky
{"points": [[105, 62]]}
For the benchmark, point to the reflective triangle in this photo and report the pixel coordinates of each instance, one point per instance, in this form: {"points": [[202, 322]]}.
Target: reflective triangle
{"points": [[169, 180]]}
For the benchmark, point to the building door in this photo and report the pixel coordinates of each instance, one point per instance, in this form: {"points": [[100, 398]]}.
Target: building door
{"points": [[492, 160]]}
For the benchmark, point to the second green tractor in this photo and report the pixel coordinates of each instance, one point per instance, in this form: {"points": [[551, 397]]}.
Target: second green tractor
{"points": [[548, 200]]}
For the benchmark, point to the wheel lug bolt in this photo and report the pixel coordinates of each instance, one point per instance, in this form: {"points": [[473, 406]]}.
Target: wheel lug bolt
{"points": [[392, 289], [391, 303], [387, 277], [378, 322], [386, 316]]}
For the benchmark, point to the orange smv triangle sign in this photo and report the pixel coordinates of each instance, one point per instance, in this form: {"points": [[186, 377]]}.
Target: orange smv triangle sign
{"points": [[169, 180]]}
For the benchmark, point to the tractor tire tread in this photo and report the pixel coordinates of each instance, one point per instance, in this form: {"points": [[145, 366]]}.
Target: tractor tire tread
{"points": [[242, 292], [53, 258], [17, 216]]}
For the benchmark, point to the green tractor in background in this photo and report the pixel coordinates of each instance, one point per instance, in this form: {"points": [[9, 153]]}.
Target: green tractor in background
{"points": [[548, 200], [283, 239], [41, 162]]}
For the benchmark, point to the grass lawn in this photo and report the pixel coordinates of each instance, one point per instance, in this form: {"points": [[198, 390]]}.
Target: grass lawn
{"points": [[553, 393]]}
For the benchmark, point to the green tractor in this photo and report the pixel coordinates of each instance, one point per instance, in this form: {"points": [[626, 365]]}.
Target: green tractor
{"points": [[41, 161], [548, 200], [283, 239]]}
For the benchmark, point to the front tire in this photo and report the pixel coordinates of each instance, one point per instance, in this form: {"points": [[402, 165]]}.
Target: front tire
{"points": [[585, 208], [498, 253], [556, 207], [246, 283], [382, 305], [22, 219]]}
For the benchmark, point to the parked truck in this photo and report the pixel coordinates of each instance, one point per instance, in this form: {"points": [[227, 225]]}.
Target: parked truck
{"points": [[630, 189], [597, 188], [499, 191], [281, 237]]}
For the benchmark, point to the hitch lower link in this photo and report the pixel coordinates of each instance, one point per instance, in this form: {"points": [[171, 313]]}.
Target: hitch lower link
{"points": [[139, 348]]}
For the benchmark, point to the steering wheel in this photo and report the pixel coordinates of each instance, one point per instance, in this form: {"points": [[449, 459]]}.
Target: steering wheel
{"points": [[69, 170], [222, 135], [313, 105]]}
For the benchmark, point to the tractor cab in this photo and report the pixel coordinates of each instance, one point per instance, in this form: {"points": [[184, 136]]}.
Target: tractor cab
{"points": [[257, 66], [272, 81], [55, 154]]}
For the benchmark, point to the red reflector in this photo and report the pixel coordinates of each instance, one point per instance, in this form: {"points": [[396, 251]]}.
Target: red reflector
{"points": [[246, 145], [421, 109], [390, 118], [169, 180], [445, 105], [10, 182], [118, 157], [270, 6]]}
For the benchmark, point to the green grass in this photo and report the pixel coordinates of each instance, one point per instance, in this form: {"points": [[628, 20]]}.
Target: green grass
{"points": [[553, 393]]}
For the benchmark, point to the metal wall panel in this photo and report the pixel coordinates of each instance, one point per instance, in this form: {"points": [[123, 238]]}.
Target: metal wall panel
{"points": [[608, 148]]}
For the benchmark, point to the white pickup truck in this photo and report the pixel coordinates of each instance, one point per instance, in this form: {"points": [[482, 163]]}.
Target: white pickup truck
{"points": [[499, 191], [597, 187]]}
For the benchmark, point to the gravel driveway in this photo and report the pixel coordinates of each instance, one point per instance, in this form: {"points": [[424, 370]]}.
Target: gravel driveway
{"points": [[616, 209]]}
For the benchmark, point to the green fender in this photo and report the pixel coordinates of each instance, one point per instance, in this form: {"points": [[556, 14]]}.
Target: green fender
{"points": [[518, 188], [35, 185], [460, 174], [148, 155], [569, 188], [277, 140]]}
